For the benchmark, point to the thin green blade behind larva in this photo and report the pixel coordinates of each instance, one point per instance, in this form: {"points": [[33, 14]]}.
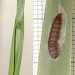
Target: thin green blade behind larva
{"points": [[19, 47], [61, 65], [17, 40]]}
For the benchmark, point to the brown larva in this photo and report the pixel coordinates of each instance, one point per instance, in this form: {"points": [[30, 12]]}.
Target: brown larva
{"points": [[54, 36]]}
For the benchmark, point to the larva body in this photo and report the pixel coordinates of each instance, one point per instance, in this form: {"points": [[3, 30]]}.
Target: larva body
{"points": [[54, 36]]}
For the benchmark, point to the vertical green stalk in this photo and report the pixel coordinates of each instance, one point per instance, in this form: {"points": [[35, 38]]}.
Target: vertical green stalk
{"points": [[17, 40]]}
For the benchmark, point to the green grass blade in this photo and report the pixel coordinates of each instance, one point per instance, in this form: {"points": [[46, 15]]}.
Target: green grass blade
{"points": [[17, 40], [61, 65]]}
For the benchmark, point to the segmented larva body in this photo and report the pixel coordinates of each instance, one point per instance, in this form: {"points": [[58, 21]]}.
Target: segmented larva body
{"points": [[54, 36]]}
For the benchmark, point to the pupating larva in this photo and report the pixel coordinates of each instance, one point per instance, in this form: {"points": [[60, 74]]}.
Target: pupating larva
{"points": [[54, 36]]}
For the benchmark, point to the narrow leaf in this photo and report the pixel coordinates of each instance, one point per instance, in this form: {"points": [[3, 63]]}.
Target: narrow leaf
{"points": [[61, 65], [17, 40]]}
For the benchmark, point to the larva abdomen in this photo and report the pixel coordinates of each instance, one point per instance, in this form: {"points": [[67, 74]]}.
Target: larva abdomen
{"points": [[54, 36]]}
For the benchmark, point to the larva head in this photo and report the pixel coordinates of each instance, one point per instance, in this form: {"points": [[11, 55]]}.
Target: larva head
{"points": [[54, 54], [53, 50]]}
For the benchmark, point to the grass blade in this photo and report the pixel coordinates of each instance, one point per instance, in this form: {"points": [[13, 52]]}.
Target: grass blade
{"points": [[17, 40], [61, 65]]}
